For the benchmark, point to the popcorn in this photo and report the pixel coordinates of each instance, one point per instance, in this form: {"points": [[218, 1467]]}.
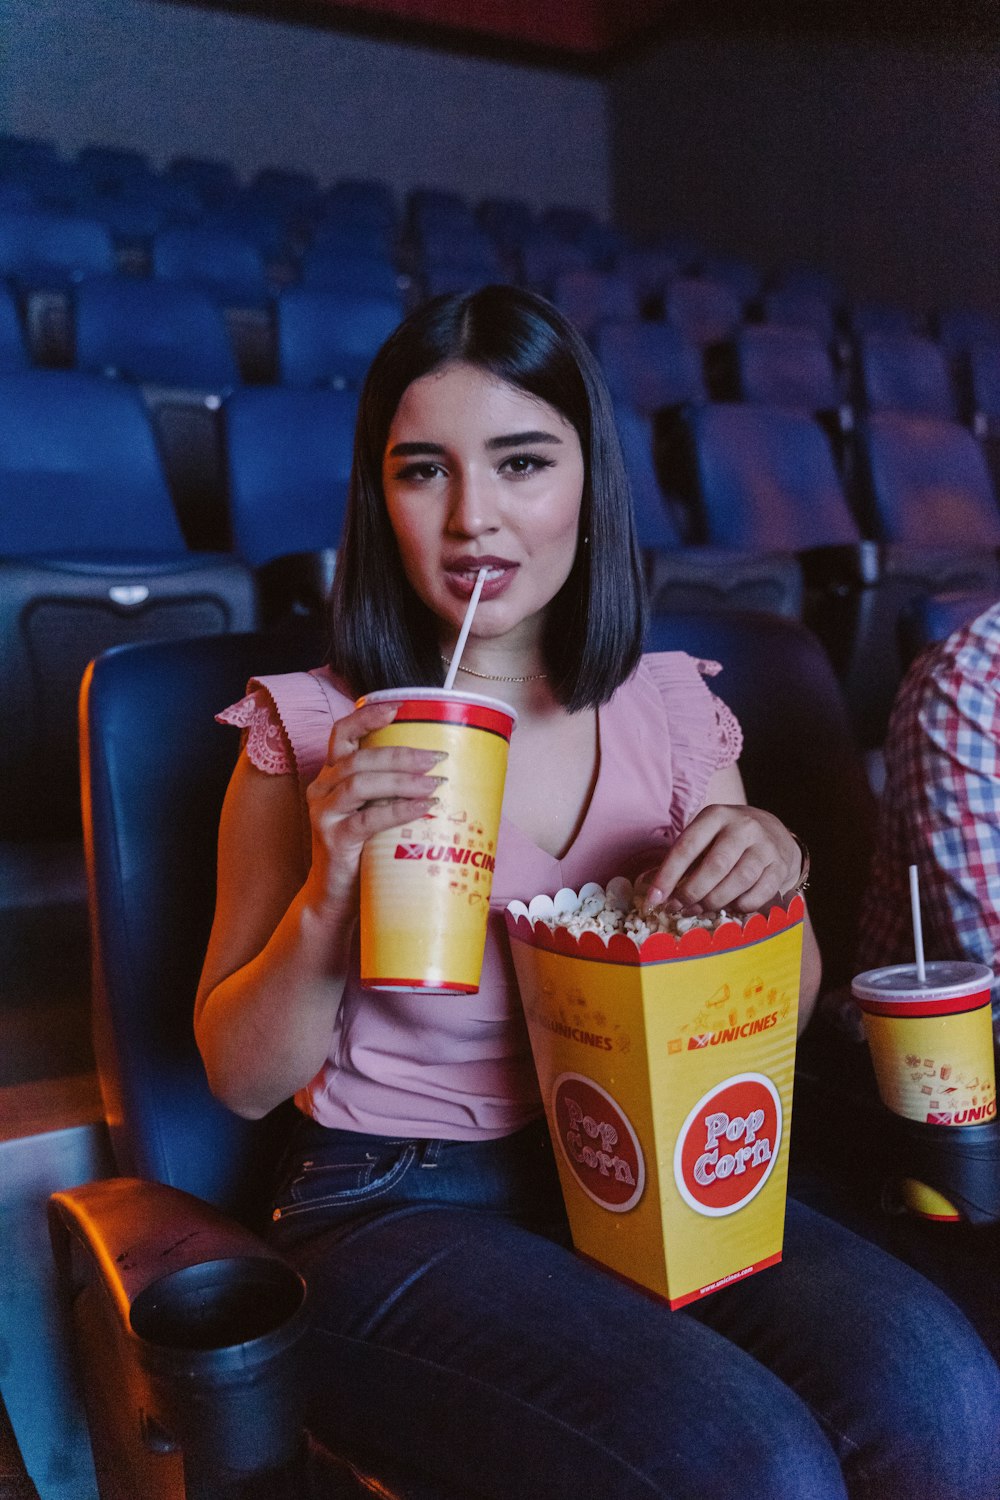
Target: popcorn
{"points": [[619, 909]]}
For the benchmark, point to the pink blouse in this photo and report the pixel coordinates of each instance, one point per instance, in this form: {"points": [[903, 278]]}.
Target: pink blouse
{"points": [[411, 1064]]}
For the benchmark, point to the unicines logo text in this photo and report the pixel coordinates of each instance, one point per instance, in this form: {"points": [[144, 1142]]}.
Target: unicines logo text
{"points": [[447, 854], [728, 1145], [732, 1033], [598, 1143]]}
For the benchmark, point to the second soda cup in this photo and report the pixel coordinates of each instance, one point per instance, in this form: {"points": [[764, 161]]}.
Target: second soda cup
{"points": [[425, 887]]}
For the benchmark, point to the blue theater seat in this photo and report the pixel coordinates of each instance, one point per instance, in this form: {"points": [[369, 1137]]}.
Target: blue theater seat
{"points": [[508, 221], [155, 332], [43, 253], [339, 270], [543, 255], [592, 298], [222, 263], [572, 224], [214, 181], [878, 317], [958, 329], [648, 270], [698, 578], [792, 367], [792, 307], [650, 366], [110, 167], [329, 338], [282, 187], [706, 312], [233, 270], [766, 479], [362, 200], [928, 483], [465, 245], [905, 373], [91, 554], [744, 278], [170, 340], [289, 460], [352, 238]]}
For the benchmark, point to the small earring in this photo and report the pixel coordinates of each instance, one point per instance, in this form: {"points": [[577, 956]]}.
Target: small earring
{"points": [[586, 540]]}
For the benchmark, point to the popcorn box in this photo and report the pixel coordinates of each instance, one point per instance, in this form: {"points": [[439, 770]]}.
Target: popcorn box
{"points": [[666, 1069]]}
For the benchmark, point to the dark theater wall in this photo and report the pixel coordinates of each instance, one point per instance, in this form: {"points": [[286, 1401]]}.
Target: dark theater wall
{"points": [[877, 158], [176, 79]]}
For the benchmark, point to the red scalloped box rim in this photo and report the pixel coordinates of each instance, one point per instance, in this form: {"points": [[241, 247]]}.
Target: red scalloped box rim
{"points": [[659, 947]]}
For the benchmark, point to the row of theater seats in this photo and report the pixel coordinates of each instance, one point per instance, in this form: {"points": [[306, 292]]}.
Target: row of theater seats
{"points": [[768, 521], [171, 330], [43, 252]]}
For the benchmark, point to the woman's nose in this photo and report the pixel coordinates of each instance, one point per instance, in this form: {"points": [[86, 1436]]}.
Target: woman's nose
{"points": [[473, 510]]}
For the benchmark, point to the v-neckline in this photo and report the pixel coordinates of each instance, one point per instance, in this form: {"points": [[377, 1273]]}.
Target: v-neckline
{"points": [[508, 823]]}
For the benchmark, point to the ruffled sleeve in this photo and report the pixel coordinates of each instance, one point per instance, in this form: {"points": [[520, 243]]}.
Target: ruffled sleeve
{"points": [[286, 720], [264, 738], [704, 734]]}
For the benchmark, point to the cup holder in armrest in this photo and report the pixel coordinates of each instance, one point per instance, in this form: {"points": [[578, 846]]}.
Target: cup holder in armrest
{"points": [[218, 1343], [219, 1305]]}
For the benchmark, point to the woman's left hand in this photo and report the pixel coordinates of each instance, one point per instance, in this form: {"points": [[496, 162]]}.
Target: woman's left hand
{"points": [[734, 857]]}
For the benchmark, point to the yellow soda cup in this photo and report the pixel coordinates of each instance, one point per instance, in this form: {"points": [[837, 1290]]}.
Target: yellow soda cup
{"points": [[425, 887], [931, 1044]]}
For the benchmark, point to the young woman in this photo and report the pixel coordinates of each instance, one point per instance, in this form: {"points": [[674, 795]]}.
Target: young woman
{"points": [[454, 1329]]}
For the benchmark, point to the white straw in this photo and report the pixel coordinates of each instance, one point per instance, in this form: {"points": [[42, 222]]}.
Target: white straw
{"points": [[918, 931], [463, 635]]}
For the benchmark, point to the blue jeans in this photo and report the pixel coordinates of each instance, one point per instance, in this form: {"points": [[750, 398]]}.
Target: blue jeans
{"points": [[455, 1330]]}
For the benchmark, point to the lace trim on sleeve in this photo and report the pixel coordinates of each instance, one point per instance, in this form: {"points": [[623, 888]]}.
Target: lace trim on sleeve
{"points": [[264, 739], [730, 733]]}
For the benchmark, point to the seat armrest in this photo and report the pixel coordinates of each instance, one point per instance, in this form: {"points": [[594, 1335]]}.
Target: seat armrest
{"points": [[190, 1316], [848, 566], [296, 585], [133, 1233]]}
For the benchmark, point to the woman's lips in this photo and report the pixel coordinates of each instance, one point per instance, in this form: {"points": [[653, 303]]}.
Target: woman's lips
{"points": [[461, 579]]}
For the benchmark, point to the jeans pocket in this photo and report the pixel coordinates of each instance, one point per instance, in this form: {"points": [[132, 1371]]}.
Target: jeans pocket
{"points": [[342, 1175]]}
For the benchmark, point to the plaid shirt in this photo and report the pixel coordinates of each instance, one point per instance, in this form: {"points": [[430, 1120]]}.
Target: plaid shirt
{"points": [[941, 808]]}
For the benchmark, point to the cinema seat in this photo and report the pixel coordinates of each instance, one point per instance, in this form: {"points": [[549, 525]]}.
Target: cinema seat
{"points": [[91, 554], [188, 1334], [905, 373], [680, 576], [289, 461], [329, 338]]}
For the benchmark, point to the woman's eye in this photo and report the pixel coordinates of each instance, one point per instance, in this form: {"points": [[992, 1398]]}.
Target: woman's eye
{"points": [[525, 463], [419, 472]]}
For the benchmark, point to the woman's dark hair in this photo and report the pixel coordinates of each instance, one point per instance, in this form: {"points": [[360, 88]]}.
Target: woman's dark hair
{"points": [[382, 633]]}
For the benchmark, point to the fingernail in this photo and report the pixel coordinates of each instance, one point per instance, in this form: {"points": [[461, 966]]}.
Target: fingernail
{"points": [[440, 756], [436, 780], [654, 896]]}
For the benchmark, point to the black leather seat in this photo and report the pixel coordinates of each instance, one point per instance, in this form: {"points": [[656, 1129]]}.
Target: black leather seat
{"points": [[186, 1325]]}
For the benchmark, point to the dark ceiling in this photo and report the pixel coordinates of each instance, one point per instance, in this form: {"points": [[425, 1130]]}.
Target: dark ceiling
{"points": [[595, 35]]}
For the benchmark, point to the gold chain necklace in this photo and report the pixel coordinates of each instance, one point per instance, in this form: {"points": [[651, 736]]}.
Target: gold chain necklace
{"points": [[494, 677]]}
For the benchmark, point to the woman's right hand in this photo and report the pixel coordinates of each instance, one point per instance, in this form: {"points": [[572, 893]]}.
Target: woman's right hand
{"points": [[360, 791]]}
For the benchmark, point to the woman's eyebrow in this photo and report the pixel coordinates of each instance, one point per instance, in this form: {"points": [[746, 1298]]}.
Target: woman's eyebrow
{"points": [[515, 439], [408, 450]]}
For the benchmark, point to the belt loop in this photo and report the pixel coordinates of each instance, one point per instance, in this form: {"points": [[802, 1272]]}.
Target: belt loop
{"points": [[430, 1152]]}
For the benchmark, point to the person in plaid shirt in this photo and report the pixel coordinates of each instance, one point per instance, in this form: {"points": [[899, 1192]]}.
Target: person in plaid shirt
{"points": [[941, 808]]}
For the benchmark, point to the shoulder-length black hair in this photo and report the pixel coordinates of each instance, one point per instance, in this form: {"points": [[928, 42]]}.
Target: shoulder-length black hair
{"points": [[382, 633]]}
